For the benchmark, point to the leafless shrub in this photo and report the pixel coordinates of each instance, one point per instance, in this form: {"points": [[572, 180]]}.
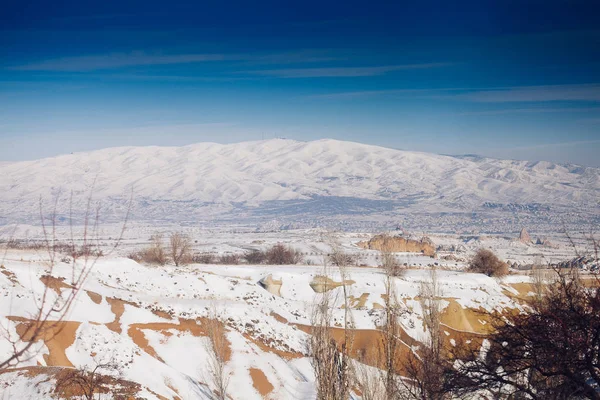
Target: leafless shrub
{"points": [[218, 350], [369, 380], [549, 352], [16, 244], [203, 258], [154, 254], [280, 254], [323, 350], [90, 249], [89, 382], [52, 309], [229, 259], [180, 249], [425, 368], [390, 263], [391, 337], [540, 279], [332, 364], [486, 262], [255, 257], [430, 297], [340, 258], [135, 256], [87, 250]]}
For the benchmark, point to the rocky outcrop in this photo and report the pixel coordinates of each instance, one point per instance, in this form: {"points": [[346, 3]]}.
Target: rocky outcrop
{"points": [[272, 286], [322, 284], [546, 243], [524, 237], [399, 244]]}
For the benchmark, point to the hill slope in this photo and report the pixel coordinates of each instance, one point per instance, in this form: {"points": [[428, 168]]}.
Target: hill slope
{"points": [[291, 178], [152, 323]]}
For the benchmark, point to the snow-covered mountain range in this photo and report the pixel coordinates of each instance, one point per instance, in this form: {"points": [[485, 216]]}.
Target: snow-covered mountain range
{"points": [[293, 180]]}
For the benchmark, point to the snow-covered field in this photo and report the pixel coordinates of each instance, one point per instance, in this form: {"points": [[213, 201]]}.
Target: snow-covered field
{"points": [[314, 244], [149, 320]]}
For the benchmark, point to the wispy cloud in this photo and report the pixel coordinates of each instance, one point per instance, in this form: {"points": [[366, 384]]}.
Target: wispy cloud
{"points": [[95, 17], [512, 94], [167, 78], [377, 93], [108, 61], [115, 60], [294, 57], [500, 95], [337, 72], [584, 92], [532, 111]]}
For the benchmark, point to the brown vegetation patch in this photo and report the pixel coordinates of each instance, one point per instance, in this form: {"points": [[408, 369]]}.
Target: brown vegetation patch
{"points": [[30, 372], [95, 297], [78, 383], [57, 337], [484, 261], [260, 382]]}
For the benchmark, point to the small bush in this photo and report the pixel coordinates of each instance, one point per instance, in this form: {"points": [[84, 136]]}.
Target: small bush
{"points": [[135, 256], [180, 249], [486, 262], [341, 259], [63, 248], [17, 244], [255, 257], [155, 254], [203, 258], [283, 255], [87, 251], [229, 259], [390, 264]]}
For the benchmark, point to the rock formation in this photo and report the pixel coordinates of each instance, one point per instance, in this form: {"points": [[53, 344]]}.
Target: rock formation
{"points": [[322, 284], [272, 286], [524, 237], [399, 244]]}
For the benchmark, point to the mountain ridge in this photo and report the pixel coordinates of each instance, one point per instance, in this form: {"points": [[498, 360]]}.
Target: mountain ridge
{"points": [[227, 177]]}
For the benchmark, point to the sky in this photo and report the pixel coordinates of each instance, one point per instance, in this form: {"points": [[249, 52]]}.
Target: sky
{"points": [[503, 78]]}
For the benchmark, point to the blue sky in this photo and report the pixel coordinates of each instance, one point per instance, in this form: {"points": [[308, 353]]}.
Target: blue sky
{"points": [[508, 79]]}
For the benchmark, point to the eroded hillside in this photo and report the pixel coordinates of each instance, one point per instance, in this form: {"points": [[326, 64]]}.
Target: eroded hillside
{"points": [[152, 322]]}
